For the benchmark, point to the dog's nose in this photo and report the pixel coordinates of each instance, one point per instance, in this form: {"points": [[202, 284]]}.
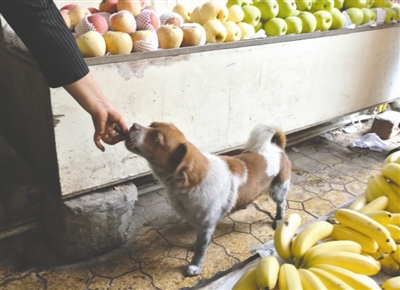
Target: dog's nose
{"points": [[135, 127]]}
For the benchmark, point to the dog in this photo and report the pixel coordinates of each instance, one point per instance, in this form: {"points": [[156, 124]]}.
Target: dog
{"points": [[203, 187]]}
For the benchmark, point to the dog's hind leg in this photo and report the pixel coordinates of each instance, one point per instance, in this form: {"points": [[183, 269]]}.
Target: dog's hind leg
{"points": [[278, 193], [202, 242]]}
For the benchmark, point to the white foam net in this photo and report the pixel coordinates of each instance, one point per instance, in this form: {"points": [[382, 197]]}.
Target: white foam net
{"points": [[143, 20], [85, 26], [146, 44], [170, 15]]}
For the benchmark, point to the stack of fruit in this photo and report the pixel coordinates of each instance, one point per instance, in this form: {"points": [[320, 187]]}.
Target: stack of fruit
{"points": [[365, 240]]}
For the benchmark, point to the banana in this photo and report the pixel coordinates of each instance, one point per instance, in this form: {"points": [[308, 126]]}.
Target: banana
{"points": [[379, 203], [369, 195], [367, 244], [377, 255], [392, 172], [394, 198], [392, 158], [394, 231], [381, 216], [390, 266], [396, 254], [289, 278], [309, 236], [359, 202], [310, 281], [374, 184], [395, 219], [284, 234], [391, 284], [362, 223], [330, 281], [357, 263], [354, 280], [346, 246], [247, 281], [267, 271], [387, 247]]}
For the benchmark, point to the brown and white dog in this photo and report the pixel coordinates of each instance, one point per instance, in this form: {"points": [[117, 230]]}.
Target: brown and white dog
{"points": [[203, 187]]}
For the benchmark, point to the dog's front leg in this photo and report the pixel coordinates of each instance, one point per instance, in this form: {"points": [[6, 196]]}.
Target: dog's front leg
{"points": [[202, 241], [279, 194]]}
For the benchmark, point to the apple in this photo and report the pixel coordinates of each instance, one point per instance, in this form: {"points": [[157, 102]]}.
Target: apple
{"points": [[91, 44], [238, 2], [268, 8], [369, 15], [183, 11], [304, 5], [294, 25], [275, 27], [149, 7], [259, 26], [67, 20], [356, 15], [308, 21], [396, 8], [77, 13], [171, 18], [252, 15], [93, 10], [324, 20], [340, 3], [233, 32], [123, 21], [144, 40], [133, 6], [169, 36], [67, 7], [355, 3], [94, 22], [322, 5], [390, 15], [235, 14], [286, 8], [382, 3], [369, 4], [246, 29], [147, 20], [215, 31], [193, 34], [118, 42], [109, 6], [338, 19], [213, 10], [195, 17]]}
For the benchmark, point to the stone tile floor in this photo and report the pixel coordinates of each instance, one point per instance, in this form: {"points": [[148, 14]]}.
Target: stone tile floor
{"points": [[325, 175]]}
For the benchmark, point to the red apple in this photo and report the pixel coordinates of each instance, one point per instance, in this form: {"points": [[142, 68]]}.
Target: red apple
{"points": [[109, 6], [171, 18], [68, 7], [150, 8], [77, 13], [133, 6], [144, 40], [93, 10], [147, 20]]}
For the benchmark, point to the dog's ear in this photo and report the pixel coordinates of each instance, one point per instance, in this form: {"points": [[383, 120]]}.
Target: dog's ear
{"points": [[179, 158]]}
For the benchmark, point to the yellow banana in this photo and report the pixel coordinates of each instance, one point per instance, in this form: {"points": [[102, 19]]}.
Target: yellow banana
{"points": [[309, 236], [395, 219], [346, 246], [284, 235], [377, 255], [369, 195], [374, 184], [390, 266], [394, 231], [289, 278], [354, 280], [392, 172], [392, 158], [362, 223], [359, 202], [380, 216], [394, 198], [330, 281], [396, 254], [247, 281], [391, 284], [310, 281], [387, 247], [379, 203], [367, 244], [357, 263], [267, 271]]}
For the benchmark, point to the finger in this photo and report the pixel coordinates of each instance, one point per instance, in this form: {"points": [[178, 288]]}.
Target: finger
{"points": [[99, 145], [122, 125]]}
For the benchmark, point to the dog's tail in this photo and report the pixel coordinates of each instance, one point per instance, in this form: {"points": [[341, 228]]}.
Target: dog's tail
{"points": [[263, 135]]}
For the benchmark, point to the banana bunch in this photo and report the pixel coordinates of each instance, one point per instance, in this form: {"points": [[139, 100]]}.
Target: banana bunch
{"points": [[391, 284]]}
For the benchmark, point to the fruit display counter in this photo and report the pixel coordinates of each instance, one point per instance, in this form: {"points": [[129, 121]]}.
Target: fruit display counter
{"points": [[214, 93]]}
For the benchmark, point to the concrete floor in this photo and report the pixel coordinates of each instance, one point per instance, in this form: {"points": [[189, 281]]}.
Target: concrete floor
{"points": [[325, 175]]}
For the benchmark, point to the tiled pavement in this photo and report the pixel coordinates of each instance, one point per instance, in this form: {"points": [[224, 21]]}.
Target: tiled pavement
{"points": [[325, 175]]}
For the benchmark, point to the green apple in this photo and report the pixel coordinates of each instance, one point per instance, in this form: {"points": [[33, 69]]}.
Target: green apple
{"points": [[252, 15], [294, 25], [396, 9], [339, 4], [356, 15], [390, 15], [268, 8], [369, 4], [304, 5], [286, 8], [275, 27], [382, 3], [355, 3], [309, 23], [235, 14], [324, 20], [259, 26], [238, 2], [322, 5], [338, 19], [369, 15]]}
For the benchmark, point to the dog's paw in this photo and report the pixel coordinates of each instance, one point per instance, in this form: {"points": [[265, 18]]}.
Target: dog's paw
{"points": [[193, 270]]}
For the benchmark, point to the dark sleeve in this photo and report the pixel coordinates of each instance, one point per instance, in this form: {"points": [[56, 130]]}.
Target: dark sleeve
{"points": [[42, 29]]}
